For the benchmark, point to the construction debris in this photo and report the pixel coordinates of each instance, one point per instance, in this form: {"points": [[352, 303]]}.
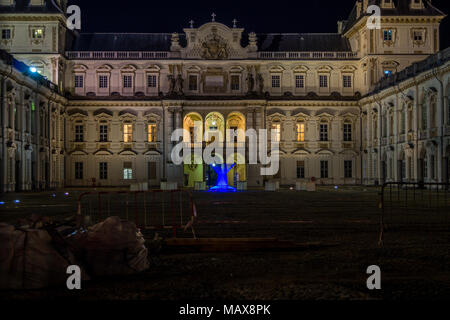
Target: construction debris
{"points": [[36, 253]]}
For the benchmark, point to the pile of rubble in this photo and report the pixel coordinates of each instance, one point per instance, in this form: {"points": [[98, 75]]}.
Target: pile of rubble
{"points": [[36, 252]]}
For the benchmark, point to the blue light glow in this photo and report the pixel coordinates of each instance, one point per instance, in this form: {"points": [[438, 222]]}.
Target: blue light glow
{"points": [[16, 201], [2, 203], [222, 183], [33, 69]]}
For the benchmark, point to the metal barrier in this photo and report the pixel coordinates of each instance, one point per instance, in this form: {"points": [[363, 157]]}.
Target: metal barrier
{"points": [[414, 204], [148, 209]]}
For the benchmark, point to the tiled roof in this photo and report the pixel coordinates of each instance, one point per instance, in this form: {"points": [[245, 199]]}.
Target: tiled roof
{"points": [[123, 42], [162, 42], [401, 8], [332, 42]]}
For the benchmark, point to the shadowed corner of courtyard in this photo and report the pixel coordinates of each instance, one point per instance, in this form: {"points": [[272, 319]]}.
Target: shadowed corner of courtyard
{"points": [[338, 228]]}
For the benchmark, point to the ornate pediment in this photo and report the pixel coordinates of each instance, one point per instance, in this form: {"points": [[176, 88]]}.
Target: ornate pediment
{"points": [[213, 41], [214, 47]]}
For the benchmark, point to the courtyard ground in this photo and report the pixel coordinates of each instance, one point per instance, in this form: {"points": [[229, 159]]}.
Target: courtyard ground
{"points": [[414, 262]]}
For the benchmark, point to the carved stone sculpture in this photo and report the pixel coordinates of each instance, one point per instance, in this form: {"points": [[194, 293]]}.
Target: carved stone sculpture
{"points": [[172, 83], [250, 83], [260, 80], [179, 85]]}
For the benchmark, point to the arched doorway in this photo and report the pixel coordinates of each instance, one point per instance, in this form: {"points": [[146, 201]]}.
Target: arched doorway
{"points": [[193, 164], [239, 172]]}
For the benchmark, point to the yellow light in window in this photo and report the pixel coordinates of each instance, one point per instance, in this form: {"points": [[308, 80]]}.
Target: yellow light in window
{"points": [[152, 133], [300, 132], [127, 133], [38, 33]]}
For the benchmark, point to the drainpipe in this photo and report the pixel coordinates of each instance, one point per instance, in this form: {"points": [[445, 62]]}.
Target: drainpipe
{"points": [[164, 141]]}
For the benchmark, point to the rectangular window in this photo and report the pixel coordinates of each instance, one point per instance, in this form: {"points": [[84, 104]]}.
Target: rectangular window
{"points": [[418, 36], [127, 133], [300, 169], [387, 35], [324, 169], [276, 127], [347, 132], [276, 81], [324, 132], [103, 171], [347, 81], [103, 82], [79, 81], [127, 81], [425, 168], [300, 132], [193, 83], [127, 171], [79, 170], [79, 133], [103, 133], [235, 83], [6, 34], [300, 81], [152, 171], [348, 169], [323, 81], [152, 133], [433, 167], [37, 33], [152, 81]]}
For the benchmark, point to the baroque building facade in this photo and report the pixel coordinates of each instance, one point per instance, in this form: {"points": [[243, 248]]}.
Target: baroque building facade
{"points": [[360, 106]]}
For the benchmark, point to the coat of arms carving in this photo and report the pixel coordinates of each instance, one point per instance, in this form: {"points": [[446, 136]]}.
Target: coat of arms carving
{"points": [[214, 48]]}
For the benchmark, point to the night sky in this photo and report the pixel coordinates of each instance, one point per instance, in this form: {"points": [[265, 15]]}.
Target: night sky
{"points": [[172, 16]]}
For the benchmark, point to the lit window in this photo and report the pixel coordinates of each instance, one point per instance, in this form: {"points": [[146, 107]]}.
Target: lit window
{"points": [[276, 127], [152, 133], [276, 81], [347, 81], [300, 132], [151, 81], [127, 171], [127, 133], [387, 73], [103, 82], [387, 35], [37, 33], [127, 81], [79, 81], [299, 81], [323, 81]]}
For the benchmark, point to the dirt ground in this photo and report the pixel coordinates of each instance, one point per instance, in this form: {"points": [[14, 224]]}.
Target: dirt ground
{"points": [[346, 222]]}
